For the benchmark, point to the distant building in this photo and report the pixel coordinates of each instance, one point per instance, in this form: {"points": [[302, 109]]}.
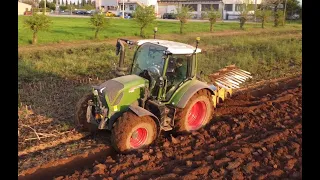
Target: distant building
{"points": [[116, 6], [229, 8], [23, 7]]}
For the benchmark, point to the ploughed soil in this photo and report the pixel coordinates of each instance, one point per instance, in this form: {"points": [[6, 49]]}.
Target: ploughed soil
{"points": [[256, 134]]}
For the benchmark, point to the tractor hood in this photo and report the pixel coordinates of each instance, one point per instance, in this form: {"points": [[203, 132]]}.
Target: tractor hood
{"points": [[122, 91]]}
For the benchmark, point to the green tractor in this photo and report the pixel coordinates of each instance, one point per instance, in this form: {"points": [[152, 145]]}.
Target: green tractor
{"points": [[161, 91]]}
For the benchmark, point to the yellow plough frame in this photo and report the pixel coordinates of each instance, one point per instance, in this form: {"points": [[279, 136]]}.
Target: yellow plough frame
{"points": [[226, 80]]}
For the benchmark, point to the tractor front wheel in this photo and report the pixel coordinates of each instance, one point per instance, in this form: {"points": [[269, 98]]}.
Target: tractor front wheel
{"points": [[133, 132], [80, 115], [197, 113]]}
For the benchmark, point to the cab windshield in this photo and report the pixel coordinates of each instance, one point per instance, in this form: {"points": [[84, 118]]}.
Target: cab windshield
{"points": [[149, 57]]}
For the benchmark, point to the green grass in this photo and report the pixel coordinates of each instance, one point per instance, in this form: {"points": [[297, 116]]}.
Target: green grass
{"points": [[52, 81], [65, 29], [267, 55]]}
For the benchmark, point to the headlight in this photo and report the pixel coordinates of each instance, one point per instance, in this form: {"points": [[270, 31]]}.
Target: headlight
{"points": [[95, 92]]}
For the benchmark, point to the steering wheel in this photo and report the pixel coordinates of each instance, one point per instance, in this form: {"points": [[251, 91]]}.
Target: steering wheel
{"points": [[154, 71]]}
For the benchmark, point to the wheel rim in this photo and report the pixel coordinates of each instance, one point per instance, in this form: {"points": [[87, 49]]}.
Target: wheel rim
{"points": [[197, 115], [138, 137]]}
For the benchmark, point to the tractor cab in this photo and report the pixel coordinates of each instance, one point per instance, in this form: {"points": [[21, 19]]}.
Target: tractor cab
{"points": [[166, 64]]}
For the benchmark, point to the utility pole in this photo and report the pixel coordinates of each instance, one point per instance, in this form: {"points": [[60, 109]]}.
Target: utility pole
{"points": [[45, 7], [284, 12], [123, 9], [222, 10], [255, 10], [71, 5], [57, 8]]}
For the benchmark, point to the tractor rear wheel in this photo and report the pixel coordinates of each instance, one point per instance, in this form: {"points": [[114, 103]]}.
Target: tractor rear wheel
{"points": [[133, 132], [197, 113], [80, 115]]}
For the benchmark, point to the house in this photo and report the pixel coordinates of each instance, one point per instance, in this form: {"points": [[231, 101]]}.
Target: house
{"points": [[229, 8], [116, 6], [22, 7]]}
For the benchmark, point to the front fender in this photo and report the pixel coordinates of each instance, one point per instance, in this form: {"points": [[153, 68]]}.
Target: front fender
{"points": [[139, 111], [186, 92]]}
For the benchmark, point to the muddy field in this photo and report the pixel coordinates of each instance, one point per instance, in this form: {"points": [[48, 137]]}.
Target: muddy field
{"points": [[257, 134]]}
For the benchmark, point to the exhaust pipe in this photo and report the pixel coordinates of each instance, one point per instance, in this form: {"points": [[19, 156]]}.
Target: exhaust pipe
{"points": [[121, 69]]}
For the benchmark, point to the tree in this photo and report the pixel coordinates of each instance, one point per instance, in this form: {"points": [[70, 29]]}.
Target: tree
{"points": [[66, 2], [245, 8], [63, 8], [62, 2], [98, 21], [183, 14], [41, 4], [275, 5], [78, 4], [213, 15], [264, 15], [36, 23], [83, 2], [51, 6], [293, 6], [88, 7], [144, 16], [89, 2], [281, 17]]}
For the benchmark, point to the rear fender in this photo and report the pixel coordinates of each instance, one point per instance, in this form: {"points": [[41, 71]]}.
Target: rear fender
{"points": [[191, 90]]}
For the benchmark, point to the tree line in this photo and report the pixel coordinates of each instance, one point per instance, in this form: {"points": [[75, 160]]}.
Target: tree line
{"points": [[63, 4]]}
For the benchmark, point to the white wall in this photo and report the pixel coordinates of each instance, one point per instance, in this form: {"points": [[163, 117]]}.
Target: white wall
{"points": [[108, 2], [234, 12], [240, 1], [148, 2], [167, 9], [22, 8]]}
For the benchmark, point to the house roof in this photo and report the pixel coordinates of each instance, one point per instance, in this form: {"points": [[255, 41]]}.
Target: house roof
{"points": [[23, 4], [188, 0], [173, 47]]}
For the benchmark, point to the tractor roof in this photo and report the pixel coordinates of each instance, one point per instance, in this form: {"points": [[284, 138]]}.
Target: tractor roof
{"points": [[173, 47]]}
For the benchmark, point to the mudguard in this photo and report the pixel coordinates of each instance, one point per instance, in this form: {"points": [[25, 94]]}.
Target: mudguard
{"points": [[192, 90], [139, 111]]}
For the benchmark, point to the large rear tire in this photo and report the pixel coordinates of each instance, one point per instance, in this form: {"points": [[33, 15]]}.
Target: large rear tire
{"points": [[80, 114], [196, 114], [133, 132]]}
